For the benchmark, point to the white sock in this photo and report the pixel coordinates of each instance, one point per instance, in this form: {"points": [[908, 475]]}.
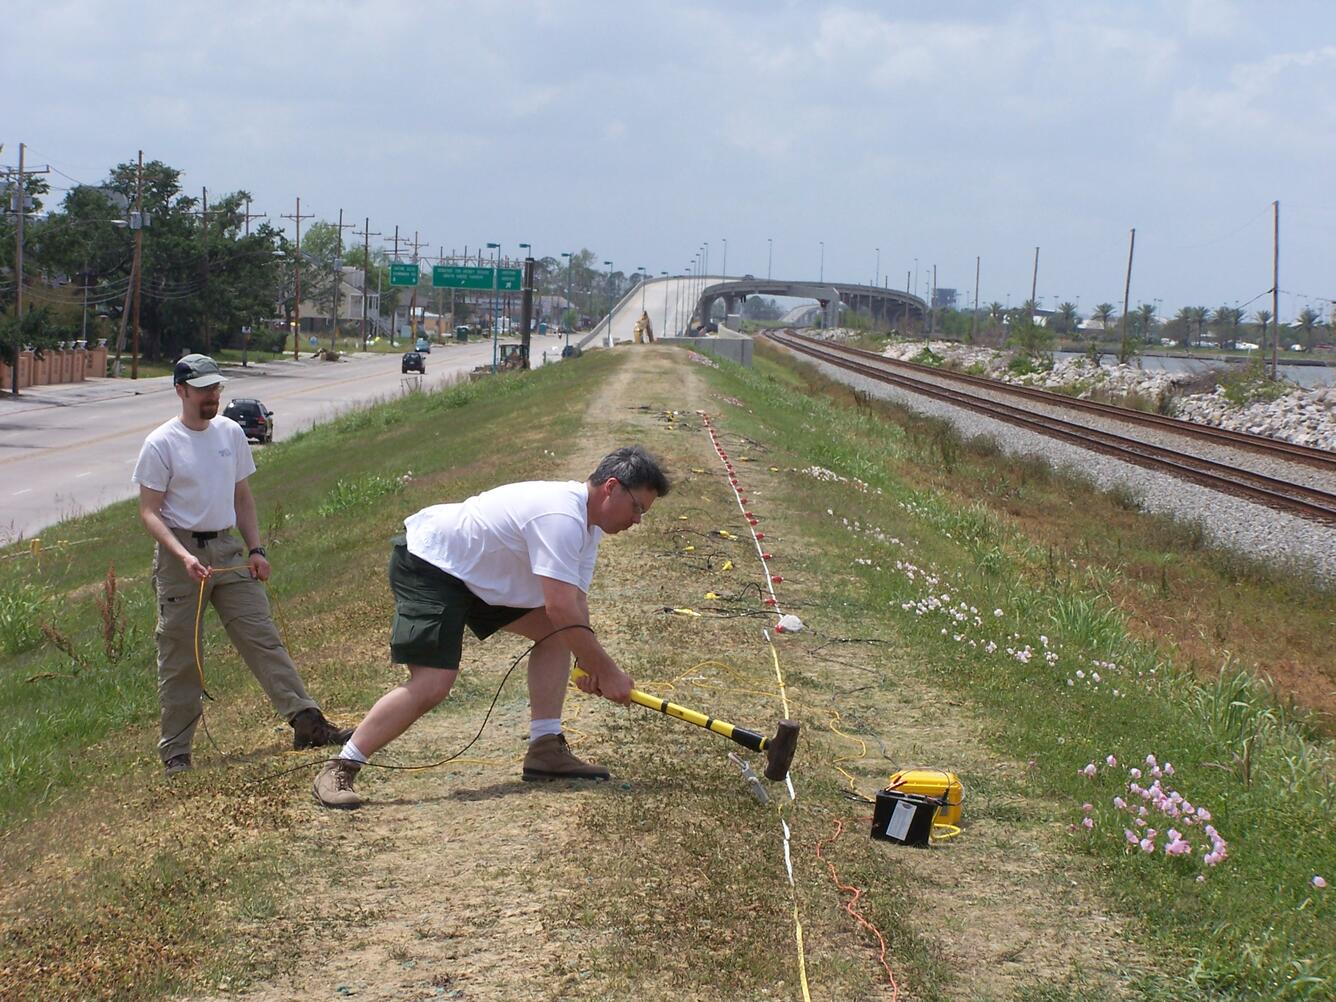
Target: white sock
{"points": [[352, 753], [544, 726]]}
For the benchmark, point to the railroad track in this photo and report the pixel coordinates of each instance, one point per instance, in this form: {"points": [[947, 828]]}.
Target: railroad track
{"points": [[1282, 495]]}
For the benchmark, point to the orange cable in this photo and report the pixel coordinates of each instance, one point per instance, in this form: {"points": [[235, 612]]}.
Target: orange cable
{"points": [[849, 906]]}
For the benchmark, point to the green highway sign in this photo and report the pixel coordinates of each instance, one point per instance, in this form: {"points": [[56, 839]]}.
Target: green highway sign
{"points": [[403, 274], [452, 276]]}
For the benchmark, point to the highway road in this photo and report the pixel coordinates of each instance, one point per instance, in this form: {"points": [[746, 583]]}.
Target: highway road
{"points": [[69, 449], [664, 298]]}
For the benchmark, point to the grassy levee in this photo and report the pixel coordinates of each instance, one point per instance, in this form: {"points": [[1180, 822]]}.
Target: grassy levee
{"points": [[1251, 926], [77, 760], [897, 544]]}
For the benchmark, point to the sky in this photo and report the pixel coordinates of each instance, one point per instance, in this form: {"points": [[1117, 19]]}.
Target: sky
{"points": [[858, 141]]}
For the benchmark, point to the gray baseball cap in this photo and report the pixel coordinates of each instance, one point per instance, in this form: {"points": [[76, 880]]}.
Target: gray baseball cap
{"points": [[198, 371]]}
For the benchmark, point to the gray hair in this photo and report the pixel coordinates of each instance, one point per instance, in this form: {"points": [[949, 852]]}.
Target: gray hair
{"points": [[632, 466]]}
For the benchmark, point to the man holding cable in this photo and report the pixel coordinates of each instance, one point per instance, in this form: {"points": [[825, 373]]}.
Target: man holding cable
{"points": [[520, 558], [192, 474]]}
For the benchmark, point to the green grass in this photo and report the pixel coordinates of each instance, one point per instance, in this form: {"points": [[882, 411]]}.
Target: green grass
{"points": [[1254, 927], [330, 498], [57, 704]]}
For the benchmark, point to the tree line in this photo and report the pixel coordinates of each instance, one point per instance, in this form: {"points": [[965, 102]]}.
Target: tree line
{"points": [[205, 273]]}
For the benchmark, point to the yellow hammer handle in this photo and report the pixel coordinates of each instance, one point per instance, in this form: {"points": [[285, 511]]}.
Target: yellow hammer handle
{"points": [[744, 737]]}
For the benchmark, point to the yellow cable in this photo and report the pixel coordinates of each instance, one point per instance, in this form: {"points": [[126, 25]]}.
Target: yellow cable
{"points": [[199, 617]]}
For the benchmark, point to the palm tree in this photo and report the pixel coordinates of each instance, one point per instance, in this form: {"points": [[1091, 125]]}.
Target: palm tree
{"points": [[1309, 320], [1145, 320], [995, 312], [1182, 324], [1103, 313], [1227, 319], [1263, 317], [1066, 319], [1200, 316]]}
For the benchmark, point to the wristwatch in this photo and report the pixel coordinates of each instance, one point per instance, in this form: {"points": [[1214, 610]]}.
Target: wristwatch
{"points": [[259, 550]]}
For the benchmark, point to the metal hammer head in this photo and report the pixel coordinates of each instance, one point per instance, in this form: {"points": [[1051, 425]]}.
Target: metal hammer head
{"points": [[779, 750]]}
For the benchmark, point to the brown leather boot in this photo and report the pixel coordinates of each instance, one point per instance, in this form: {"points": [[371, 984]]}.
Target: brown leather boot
{"points": [[310, 729], [549, 757], [334, 785]]}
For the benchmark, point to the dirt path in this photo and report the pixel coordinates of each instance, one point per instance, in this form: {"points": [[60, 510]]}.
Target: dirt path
{"points": [[444, 875], [454, 883]]}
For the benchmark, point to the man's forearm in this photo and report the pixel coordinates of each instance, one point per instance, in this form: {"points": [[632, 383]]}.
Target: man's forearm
{"points": [[158, 529], [247, 522]]}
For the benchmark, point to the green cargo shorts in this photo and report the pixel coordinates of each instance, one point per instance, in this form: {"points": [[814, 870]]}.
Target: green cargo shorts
{"points": [[431, 609]]}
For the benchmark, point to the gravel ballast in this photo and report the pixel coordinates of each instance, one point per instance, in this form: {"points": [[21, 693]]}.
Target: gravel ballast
{"points": [[1255, 530]]}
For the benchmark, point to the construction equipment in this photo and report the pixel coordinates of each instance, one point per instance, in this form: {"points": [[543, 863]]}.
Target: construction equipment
{"points": [[778, 749]]}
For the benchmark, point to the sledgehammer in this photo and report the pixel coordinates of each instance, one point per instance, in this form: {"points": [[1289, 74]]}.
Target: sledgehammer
{"points": [[778, 750]]}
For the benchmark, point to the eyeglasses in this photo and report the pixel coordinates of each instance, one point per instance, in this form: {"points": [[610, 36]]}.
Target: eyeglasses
{"points": [[639, 508]]}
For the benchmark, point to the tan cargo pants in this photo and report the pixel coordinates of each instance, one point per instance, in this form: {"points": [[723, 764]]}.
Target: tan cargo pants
{"points": [[243, 608]]}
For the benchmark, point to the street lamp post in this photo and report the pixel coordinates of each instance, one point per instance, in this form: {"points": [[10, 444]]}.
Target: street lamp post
{"points": [[569, 306], [643, 275], [769, 256], [608, 265], [724, 269], [528, 252], [663, 331], [496, 284], [876, 275]]}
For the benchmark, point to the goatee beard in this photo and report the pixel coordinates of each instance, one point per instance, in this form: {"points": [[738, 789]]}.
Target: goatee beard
{"points": [[208, 411]]}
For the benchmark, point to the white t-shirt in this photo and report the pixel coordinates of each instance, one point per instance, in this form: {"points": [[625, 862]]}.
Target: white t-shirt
{"points": [[501, 541], [197, 470]]}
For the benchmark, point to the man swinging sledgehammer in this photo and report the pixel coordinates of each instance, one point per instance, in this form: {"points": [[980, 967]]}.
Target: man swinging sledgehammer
{"points": [[520, 558]]}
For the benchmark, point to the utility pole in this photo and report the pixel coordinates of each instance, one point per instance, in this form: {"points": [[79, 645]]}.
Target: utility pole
{"points": [[974, 318], [19, 205], [297, 281], [138, 224], [1275, 289], [204, 223], [932, 305], [1034, 287], [338, 279], [395, 315], [412, 304], [366, 235], [1123, 352], [248, 216]]}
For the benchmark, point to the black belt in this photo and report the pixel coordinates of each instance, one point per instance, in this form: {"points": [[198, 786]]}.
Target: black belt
{"points": [[204, 537]]}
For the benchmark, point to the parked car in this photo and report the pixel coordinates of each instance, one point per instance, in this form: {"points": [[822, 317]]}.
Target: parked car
{"points": [[256, 420], [423, 345], [414, 362]]}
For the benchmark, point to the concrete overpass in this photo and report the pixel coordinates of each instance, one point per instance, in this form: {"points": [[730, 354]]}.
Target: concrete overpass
{"points": [[886, 306], [669, 303]]}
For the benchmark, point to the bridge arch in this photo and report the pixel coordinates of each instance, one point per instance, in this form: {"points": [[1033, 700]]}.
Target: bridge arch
{"points": [[887, 306]]}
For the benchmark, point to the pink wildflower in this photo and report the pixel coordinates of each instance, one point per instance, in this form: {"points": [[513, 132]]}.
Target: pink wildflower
{"points": [[1087, 808], [1120, 803], [1111, 762], [1090, 770], [1318, 882], [1147, 846], [1134, 773], [1088, 823], [1131, 836]]}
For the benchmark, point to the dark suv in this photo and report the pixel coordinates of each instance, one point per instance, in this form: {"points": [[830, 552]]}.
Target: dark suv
{"points": [[256, 420], [414, 362]]}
